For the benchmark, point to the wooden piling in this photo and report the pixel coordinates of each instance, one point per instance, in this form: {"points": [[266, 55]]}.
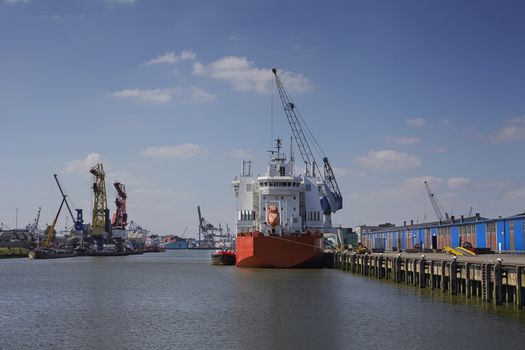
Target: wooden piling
{"points": [[519, 294], [467, 280], [443, 276], [498, 292], [453, 277], [422, 275]]}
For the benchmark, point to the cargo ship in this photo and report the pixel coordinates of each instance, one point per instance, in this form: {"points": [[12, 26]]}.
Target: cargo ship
{"points": [[153, 245], [283, 217]]}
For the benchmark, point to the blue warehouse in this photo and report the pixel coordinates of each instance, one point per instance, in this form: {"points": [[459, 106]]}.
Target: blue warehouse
{"points": [[501, 234]]}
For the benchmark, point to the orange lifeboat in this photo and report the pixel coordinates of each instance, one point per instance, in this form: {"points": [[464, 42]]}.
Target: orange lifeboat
{"points": [[272, 216]]}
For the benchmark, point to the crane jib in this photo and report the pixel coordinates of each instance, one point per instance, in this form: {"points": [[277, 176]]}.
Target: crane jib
{"points": [[331, 200]]}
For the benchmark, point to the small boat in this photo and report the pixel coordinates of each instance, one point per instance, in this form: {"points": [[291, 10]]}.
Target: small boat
{"points": [[51, 253], [153, 245], [223, 257]]}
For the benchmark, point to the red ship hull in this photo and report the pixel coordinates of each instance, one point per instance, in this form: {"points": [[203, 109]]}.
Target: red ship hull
{"points": [[280, 252]]}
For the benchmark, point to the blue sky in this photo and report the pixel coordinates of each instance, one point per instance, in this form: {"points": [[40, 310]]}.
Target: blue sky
{"points": [[172, 95]]}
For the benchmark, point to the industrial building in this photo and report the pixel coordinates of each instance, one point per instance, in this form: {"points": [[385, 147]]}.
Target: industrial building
{"points": [[501, 234]]}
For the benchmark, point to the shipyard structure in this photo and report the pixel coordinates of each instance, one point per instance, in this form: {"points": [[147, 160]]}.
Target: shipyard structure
{"points": [[501, 234]]}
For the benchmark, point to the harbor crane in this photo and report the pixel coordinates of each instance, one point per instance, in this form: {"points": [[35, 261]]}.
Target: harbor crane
{"points": [[208, 231], [331, 199], [100, 221], [79, 221], [119, 220], [33, 228], [435, 204]]}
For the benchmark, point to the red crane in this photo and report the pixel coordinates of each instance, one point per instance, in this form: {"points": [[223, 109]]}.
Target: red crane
{"points": [[120, 217]]}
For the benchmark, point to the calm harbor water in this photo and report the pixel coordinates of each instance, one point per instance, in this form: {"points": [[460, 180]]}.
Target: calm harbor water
{"points": [[178, 300]]}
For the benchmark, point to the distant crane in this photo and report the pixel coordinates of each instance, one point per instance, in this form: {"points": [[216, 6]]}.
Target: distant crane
{"points": [[435, 204], [33, 228], [331, 199], [207, 231]]}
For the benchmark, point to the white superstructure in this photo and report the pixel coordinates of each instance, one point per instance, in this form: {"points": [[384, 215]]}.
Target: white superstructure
{"points": [[297, 199]]}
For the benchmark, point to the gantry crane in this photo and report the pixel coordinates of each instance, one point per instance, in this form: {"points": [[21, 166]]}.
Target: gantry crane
{"points": [[332, 199], [100, 221], [435, 204], [207, 231]]}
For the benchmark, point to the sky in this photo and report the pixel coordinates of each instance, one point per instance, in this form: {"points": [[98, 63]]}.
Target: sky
{"points": [[171, 96]]}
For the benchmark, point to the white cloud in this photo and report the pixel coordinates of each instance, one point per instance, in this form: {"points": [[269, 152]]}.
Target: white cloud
{"points": [[518, 193], [172, 58], [240, 153], [388, 160], [419, 122], [405, 140], [419, 182], [242, 74], [513, 130], [493, 184], [440, 149], [186, 150], [16, 1], [155, 96], [77, 166], [456, 182], [200, 95], [340, 172], [163, 96], [188, 55]]}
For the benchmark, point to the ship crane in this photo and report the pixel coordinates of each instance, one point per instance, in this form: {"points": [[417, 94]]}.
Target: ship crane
{"points": [[331, 200], [435, 204]]}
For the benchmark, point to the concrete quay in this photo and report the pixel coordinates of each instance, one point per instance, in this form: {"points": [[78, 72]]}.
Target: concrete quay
{"points": [[494, 278]]}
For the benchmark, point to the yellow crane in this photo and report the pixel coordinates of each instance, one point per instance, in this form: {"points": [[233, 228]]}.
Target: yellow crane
{"points": [[51, 228], [100, 221]]}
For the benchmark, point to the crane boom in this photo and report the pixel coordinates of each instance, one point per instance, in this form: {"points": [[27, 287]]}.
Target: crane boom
{"points": [[332, 199], [51, 228], [435, 204], [63, 196]]}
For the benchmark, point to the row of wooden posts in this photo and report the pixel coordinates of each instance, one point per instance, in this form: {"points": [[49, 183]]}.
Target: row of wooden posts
{"points": [[493, 282]]}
